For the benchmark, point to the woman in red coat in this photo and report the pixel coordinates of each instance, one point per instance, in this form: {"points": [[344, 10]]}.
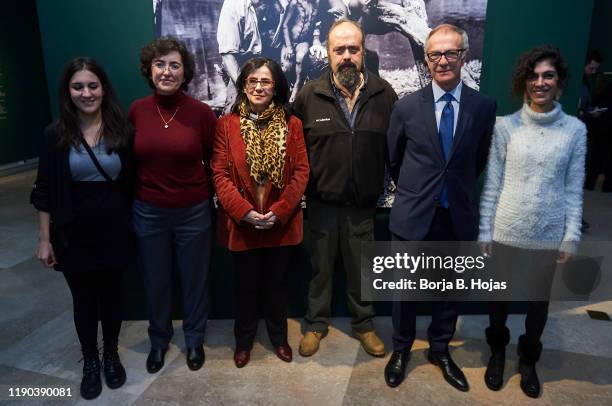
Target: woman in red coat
{"points": [[260, 170]]}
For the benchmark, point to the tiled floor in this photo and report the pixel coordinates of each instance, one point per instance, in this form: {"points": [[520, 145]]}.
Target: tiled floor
{"points": [[39, 347]]}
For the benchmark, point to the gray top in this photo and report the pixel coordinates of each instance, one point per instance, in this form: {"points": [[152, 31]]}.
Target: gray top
{"points": [[84, 170]]}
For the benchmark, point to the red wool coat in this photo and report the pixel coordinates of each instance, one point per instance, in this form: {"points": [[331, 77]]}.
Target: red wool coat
{"points": [[236, 193]]}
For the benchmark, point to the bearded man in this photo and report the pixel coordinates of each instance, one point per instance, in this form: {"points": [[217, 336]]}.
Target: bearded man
{"points": [[345, 114]]}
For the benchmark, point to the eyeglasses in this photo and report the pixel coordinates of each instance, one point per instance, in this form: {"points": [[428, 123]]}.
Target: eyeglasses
{"points": [[251, 83], [451, 55], [161, 65]]}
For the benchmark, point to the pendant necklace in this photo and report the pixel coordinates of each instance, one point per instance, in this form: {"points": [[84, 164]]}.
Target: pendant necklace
{"points": [[166, 123]]}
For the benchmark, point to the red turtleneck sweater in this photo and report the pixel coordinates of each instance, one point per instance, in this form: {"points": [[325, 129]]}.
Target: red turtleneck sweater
{"points": [[170, 170]]}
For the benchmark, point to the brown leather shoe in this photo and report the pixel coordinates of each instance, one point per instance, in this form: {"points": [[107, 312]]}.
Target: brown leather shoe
{"points": [[310, 343], [371, 343], [284, 352], [241, 358]]}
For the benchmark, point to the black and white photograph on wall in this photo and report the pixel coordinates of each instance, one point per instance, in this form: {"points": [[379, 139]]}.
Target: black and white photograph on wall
{"points": [[223, 34]]}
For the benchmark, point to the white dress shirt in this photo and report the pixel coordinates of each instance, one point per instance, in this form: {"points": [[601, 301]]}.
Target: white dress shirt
{"points": [[439, 104]]}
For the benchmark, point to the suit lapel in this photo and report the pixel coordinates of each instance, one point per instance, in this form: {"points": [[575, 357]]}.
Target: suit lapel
{"points": [[465, 117], [429, 118]]}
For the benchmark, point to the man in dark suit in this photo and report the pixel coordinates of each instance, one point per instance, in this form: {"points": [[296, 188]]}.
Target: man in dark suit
{"points": [[438, 141]]}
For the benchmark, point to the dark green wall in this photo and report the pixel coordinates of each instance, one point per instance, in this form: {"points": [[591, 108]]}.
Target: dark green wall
{"points": [[110, 31], [601, 38], [23, 100], [514, 26]]}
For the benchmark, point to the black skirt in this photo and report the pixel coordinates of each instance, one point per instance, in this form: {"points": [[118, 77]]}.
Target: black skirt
{"points": [[101, 237]]}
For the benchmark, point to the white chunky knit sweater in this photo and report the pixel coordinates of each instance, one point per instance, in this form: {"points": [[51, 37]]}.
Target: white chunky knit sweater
{"points": [[532, 196]]}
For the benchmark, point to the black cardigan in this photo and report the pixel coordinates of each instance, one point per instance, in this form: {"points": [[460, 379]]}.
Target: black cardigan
{"points": [[51, 192]]}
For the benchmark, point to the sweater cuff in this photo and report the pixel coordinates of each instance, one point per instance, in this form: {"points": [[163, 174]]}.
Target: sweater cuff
{"points": [[570, 247], [485, 236]]}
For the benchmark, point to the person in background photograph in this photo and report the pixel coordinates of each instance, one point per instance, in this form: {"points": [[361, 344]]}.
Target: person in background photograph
{"points": [[247, 28], [83, 193], [531, 204], [172, 207], [300, 29], [260, 169]]}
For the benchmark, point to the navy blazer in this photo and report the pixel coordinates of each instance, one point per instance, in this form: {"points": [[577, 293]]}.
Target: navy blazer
{"points": [[418, 167]]}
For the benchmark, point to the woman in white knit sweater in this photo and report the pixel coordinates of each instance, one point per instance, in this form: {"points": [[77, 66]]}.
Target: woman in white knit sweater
{"points": [[531, 206]]}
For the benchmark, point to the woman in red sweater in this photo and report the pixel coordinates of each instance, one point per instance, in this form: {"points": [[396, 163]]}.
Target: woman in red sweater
{"points": [[172, 207], [260, 169]]}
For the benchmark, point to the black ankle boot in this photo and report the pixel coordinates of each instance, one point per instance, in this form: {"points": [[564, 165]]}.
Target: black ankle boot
{"points": [[494, 375], [529, 355], [114, 373], [91, 386], [530, 384]]}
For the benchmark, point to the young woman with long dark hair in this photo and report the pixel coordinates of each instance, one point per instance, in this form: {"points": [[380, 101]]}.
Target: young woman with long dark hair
{"points": [[82, 194]]}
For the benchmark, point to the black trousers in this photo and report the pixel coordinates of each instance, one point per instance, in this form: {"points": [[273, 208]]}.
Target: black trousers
{"points": [[96, 295], [337, 231], [540, 270], [443, 314], [498, 334], [260, 287]]}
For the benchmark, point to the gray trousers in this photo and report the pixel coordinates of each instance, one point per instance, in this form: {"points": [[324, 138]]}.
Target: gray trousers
{"points": [[174, 240], [337, 231]]}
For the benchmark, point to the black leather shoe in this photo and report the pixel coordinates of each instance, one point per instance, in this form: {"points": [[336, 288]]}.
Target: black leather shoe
{"points": [[452, 373], [155, 360], [395, 371], [114, 373], [494, 376], [91, 385], [195, 358], [530, 384]]}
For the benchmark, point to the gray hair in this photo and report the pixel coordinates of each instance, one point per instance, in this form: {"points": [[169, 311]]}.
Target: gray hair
{"points": [[465, 43]]}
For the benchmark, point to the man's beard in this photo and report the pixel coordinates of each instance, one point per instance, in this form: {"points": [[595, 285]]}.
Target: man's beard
{"points": [[348, 76]]}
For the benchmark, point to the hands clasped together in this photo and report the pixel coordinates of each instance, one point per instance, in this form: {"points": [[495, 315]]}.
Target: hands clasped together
{"points": [[260, 221]]}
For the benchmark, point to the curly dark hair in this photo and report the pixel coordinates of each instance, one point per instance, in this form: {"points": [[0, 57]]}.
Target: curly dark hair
{"points": [[116, 129], [525, 65], [163, 46], [281, 87]]}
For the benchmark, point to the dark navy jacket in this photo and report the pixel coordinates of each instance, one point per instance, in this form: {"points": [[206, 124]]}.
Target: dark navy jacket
{"points": [[418, 167]]}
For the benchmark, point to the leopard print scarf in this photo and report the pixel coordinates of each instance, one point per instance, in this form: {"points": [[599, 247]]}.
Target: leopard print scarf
{"points": [[264, 137]]}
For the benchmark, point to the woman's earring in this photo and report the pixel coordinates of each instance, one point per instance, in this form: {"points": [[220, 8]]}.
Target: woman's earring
{"points": [[558, 95]]}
